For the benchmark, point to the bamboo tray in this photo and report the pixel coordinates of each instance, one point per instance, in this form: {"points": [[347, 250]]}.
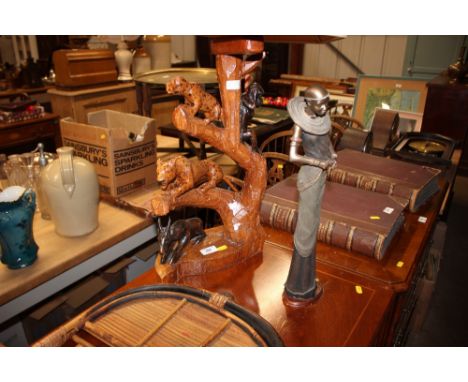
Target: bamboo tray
{"points": [[165, 315]]}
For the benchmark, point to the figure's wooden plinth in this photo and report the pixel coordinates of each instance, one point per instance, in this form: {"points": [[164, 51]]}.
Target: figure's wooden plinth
{"points": [[194, 263]]}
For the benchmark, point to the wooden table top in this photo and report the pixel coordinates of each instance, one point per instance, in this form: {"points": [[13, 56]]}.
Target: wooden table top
{"points": [[58, 254], [343, 316]]}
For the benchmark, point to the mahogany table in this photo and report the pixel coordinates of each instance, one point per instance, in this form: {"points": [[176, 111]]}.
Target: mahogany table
{"points": [[400, 269], [352, 310], [341, 316]]}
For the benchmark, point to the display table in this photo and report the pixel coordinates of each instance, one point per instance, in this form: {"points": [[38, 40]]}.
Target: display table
{"points": [[62, 261], [351, 312]]}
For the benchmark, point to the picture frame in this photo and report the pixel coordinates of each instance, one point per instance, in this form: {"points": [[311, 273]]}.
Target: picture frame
{"points": [[410, 122], [394, 93]]}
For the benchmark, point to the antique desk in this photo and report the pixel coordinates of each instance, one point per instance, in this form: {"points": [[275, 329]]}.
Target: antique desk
{"points": [[343, 316], [363, 302], [351, 311], [19, 137], [401, 268]]}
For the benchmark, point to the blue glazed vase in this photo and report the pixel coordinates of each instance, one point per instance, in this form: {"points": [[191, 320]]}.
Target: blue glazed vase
{"points": [[16, 236]]}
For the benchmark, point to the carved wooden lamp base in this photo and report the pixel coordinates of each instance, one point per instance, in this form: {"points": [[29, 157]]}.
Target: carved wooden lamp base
{"points": [[242, 236], [219, 254]]}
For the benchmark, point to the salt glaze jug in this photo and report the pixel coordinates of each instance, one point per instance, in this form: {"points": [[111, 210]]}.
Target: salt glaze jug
{"points": [[70, 185], [17, 206]]}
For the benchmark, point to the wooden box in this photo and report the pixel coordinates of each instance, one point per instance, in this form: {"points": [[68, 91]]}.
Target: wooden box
{"points": [[84, 67]]}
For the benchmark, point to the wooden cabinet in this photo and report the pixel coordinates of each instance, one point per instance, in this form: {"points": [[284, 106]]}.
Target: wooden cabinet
{"points": [[78, 103], [446, 113]]}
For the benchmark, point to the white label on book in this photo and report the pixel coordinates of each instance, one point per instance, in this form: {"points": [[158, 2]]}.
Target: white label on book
{"points": [[422, 219], [233, 85], [388, 210]]}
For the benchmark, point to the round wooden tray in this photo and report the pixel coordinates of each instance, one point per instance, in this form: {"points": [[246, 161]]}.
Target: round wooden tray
{"points": [[165, 315]]}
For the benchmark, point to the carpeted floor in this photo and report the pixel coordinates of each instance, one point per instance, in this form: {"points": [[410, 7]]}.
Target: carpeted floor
{"points": [[446, 323]]}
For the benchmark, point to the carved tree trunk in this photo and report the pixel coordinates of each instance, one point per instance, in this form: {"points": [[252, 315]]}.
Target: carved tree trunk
{"points": [[239, 211]]}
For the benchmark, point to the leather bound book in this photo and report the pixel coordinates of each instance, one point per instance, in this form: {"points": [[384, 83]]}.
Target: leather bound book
{"points": [[413, 182], [356, 220]]}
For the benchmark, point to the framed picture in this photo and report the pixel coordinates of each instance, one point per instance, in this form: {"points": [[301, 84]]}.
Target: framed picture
{"points": [[410, 121], [395, 93]]}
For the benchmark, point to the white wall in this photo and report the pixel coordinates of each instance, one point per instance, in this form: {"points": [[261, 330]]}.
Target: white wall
{"points": [[376, 55]]}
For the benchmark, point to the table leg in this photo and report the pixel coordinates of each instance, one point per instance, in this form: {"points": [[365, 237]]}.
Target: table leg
{"points": [[139, 97], [147, 104]]}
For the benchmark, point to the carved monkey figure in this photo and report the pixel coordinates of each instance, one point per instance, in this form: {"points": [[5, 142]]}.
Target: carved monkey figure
{"points": [[196, 98]]}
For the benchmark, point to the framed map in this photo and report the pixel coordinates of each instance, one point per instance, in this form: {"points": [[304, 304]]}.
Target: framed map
{"points": [[395, 93]]}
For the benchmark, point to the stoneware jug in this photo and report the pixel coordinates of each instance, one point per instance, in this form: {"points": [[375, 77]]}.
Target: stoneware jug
{"points": [[70, 185], [159, 48], [17, 206]]}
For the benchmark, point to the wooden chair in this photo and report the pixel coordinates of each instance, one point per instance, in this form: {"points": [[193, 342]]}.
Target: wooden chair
{"points": [[336, 133], [279, 167], [341, 109], [278, 142], [346, 121], [281, 141]]}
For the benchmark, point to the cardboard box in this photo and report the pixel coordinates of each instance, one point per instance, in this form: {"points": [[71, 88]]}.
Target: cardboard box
{"points": [[121, 146]]}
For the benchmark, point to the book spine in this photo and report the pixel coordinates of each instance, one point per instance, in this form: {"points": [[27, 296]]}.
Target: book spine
{"points": [[370, 183], [331, 232]]}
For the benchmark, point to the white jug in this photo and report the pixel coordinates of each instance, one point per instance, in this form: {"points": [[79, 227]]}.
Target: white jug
{"points": [[71, 187]]}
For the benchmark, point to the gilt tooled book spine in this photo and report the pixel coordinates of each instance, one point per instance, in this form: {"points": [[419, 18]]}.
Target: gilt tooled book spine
{"points": [[350, 218], [413, 182]]}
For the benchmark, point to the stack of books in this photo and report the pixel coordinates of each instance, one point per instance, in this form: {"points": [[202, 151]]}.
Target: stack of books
{"points": [[363, 203]]}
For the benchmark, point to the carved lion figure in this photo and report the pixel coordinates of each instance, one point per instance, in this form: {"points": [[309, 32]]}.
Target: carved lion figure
{"points": [[178, 175], [196, 98]]}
